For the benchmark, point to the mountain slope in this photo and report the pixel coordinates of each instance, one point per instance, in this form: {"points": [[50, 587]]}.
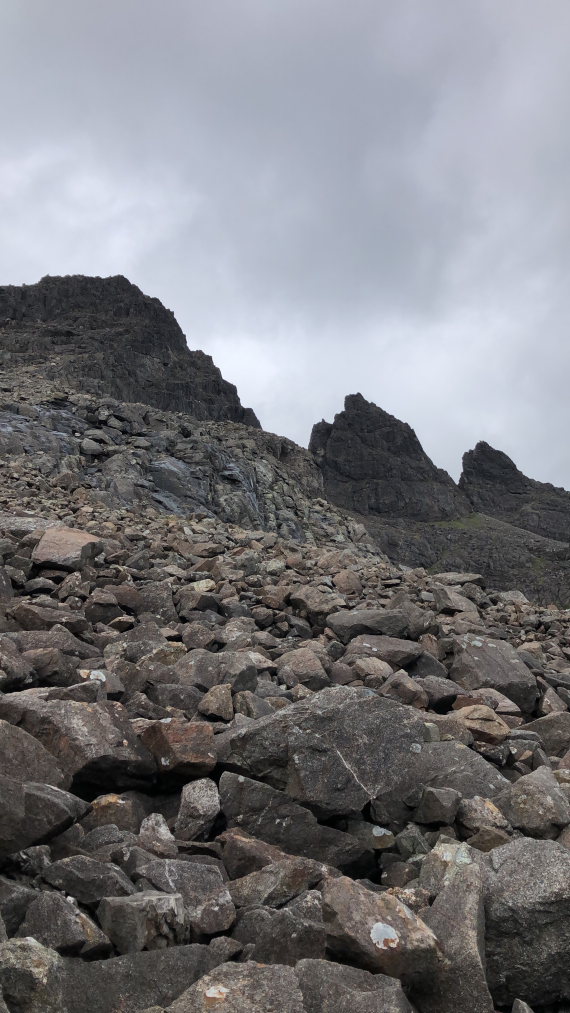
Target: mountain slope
{"points": [[105, 336]]}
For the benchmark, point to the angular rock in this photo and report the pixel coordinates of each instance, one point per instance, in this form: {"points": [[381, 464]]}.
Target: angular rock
{"points": [[208, 907], [144, 921], [244, 988], [378, 932], [67, 548], [22, 757], [457, 917], [199, 806], [57, 923], [91, 742], [33, 813], [337, 988], [535, 804], [480, 661], [527, 911], [134, 981], [180, 748], [30, 977], [335, 751], [88, 880], [272, 816]]}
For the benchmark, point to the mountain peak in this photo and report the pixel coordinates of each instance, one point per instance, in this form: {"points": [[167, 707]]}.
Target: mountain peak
{"points": [[104, 335]]}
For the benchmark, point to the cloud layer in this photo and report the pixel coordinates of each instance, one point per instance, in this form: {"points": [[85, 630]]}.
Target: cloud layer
{"points": [[331, 197]]}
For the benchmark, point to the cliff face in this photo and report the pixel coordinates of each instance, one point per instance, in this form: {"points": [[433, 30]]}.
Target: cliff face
{"points": [[104, 336], [513, 530], [374, 464], [495, 486]]}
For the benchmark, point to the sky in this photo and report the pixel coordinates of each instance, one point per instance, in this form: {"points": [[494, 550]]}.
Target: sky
{"points": [[332, 197]]}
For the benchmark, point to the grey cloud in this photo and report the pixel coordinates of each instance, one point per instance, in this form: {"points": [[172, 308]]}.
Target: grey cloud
{"points": [[332, 197]]}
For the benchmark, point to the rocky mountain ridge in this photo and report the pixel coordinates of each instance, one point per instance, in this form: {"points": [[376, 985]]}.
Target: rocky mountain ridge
{"points": [[515, 530], [104, 336], [248, 762]]}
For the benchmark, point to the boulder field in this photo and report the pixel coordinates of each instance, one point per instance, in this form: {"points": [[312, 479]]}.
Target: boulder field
{"points": [[248, 773]]}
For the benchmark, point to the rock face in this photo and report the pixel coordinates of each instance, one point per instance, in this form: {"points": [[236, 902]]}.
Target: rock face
{"points": [[105, 336], [513, 530], [495, 486], [374, 464]]}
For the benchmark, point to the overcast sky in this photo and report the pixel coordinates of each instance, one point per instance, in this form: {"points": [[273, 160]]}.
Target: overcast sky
{"points": [[332, 196]]}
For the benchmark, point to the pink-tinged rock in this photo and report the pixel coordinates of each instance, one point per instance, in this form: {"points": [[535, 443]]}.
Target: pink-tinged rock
{"points": [[68, 548], [183, 748], [377, 932]]}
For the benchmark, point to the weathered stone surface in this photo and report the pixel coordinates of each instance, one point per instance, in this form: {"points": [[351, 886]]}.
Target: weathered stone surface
{"points": [[328, 987], [286, 935], [21, 754], [180, 748], [199, 806], [30, 977], [481, 661], [88, 880], [57, 923], [535, 804], [377, 932], [32, 813], [554, 731], [277, 883], [244, 988], [92, 742], [407, 621], [144, 921], [134, 981], [527, 910], [272, 816], [68, 548], [208, 907], [335, 751], [457, 917]]}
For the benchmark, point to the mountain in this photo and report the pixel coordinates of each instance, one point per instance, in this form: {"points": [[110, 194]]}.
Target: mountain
{"points": [[374, 464], [508, 527], [104, 336], [247, 761], [494, 485]]}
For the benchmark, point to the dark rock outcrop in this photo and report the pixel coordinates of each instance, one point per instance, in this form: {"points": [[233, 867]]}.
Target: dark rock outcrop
{"points": [[375, 464], [105, 336], [494, 485], [511, 529]]}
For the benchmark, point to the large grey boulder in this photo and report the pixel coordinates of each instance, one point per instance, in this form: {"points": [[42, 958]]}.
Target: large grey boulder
{"points": [[328, 987], [377, 932], [134, 981], [244, 988], [275, 818], [527, 911], [457, 917], [480, 661], [335, 751], [33, 813]]}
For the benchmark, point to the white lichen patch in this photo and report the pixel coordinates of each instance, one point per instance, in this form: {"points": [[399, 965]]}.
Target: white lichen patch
{"points": [[216, 994], [384, 936]]}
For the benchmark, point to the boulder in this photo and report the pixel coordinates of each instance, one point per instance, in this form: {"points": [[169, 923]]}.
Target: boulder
{"points": [[480, 661], [272, 816], [67, 548], [32, 813], [377, 932], [244, 988], [335, 751], [328, 987], [527, 911]]}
